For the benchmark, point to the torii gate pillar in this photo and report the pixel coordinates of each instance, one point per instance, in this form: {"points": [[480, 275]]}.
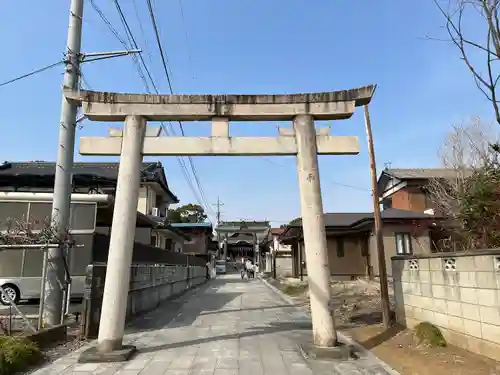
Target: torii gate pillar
{"points": [[313, 226], [121, 243]]}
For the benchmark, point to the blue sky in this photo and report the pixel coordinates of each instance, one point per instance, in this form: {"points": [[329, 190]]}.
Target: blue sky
{"points": [[257, 46]]}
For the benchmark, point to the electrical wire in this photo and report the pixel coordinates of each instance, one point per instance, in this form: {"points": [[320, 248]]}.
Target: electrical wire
{"points": [[133, 43], [31, 73], [162, 53], [269, 160], [186, 39], [169, 81]]}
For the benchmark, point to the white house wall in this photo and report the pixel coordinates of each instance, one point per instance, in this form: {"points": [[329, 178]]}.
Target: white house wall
{"points": [[277, 246]]}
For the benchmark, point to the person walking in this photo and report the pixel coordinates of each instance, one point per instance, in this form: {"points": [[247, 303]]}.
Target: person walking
{"points": [[243, 270], [249, 268], [207, 266]]}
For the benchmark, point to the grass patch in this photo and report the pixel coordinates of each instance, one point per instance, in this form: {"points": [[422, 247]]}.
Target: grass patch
{"points": [[17, 354], [430, 335], [294, 289]]}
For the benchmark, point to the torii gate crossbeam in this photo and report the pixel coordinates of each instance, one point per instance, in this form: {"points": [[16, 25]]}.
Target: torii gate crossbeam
{"points": [[132, 144]]}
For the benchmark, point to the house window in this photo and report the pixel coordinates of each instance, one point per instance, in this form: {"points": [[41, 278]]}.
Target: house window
{"points": [[403, 243], [340, 247], [168, 244], [364, 246], [191, 241], [387, 203], [152, 241]]}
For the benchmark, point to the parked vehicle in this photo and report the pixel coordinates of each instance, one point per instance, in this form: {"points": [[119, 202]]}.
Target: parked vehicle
{"points": [[220, 266], [21, 271]]}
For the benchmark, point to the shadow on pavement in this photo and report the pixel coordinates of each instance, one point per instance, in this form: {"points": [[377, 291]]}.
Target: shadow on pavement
{"points": [[178, 313], [275, 327], [208, 302], [249, 309]]}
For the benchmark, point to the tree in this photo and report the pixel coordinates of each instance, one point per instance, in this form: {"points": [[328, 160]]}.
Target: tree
{"points": [[470, 195], [189, 213], [479, 54]]}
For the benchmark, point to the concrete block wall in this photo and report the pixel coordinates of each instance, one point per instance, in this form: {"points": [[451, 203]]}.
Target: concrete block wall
{"points": [[150, 285], [457, 292]]}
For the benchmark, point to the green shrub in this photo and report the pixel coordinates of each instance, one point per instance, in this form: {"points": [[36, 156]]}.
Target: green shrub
{"points": [[17, 354], [429, 334], [294, 289]]}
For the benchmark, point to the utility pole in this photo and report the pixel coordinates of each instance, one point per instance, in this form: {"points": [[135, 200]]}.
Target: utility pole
{"points": [[53, 301], [219, 204], [384, 292]]}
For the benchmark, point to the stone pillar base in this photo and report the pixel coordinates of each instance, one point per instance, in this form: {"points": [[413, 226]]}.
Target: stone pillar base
{"points": [[339, 352], [93, 355]]}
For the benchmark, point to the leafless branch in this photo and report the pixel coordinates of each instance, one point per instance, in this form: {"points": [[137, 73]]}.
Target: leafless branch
{"points": [[467, 149], [460, 11], [22, 231]]}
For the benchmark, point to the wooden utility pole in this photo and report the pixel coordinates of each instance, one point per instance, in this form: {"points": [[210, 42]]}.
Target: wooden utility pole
{"points": [[384, 290]]}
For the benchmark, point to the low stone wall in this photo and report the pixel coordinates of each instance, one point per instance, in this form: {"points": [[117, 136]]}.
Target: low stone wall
{"points": [[153, 284], [457, 292], [150, 285]]}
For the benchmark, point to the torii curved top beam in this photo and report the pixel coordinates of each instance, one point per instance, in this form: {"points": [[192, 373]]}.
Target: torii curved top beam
{"points": [[108, 106]]}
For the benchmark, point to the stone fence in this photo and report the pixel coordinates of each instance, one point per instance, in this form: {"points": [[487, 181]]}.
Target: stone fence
{"points": [[150, 285], [457, 292]]}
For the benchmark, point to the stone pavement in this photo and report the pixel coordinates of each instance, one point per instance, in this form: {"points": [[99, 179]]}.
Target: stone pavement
{"points": [[226, 327]]}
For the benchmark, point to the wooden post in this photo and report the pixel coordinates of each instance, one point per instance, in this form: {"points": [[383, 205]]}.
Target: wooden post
{"points": [[384, 291]]}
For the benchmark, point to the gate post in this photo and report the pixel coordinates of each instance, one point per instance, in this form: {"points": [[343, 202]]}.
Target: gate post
{"points": [[116, 288], [313, 224]]}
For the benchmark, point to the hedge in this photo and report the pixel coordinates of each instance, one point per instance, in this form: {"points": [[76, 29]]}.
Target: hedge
{"points": [[17, 354]]}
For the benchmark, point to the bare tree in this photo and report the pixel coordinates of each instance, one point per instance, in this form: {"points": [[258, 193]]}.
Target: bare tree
{"points": [[480, 54], [20, 231], [466, 152]]}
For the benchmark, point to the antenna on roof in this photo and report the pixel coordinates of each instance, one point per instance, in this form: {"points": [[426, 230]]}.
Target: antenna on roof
{"points": [[387, 165]]}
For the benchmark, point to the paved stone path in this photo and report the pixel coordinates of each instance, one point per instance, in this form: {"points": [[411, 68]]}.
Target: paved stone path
{"points": [[226, 327]]}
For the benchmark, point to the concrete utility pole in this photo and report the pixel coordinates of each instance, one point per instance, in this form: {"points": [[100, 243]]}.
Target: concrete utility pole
{"points": [[121, 245], [219, 204], [313, 226], [384, 290], [53, 300]]}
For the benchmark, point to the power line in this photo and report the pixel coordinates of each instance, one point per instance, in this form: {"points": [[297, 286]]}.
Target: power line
{"points": [[169, 81], [146, 45], [201, 199], [133, 43], [32, 73], [162, 54], [186, 39], [332, 182]]}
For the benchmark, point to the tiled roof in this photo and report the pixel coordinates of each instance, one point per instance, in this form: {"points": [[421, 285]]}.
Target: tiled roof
{"points": [[192, 225], [422, 173], [348, 219], [83, 173], [277, 231]]}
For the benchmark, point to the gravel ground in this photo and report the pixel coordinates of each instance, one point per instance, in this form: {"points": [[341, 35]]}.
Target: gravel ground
{"points": [[357, 312], [356, 303], [59, 350]]}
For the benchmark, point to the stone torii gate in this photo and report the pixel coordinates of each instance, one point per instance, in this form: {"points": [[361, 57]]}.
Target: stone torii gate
{"points": [[303, 140], [248, 227]]}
